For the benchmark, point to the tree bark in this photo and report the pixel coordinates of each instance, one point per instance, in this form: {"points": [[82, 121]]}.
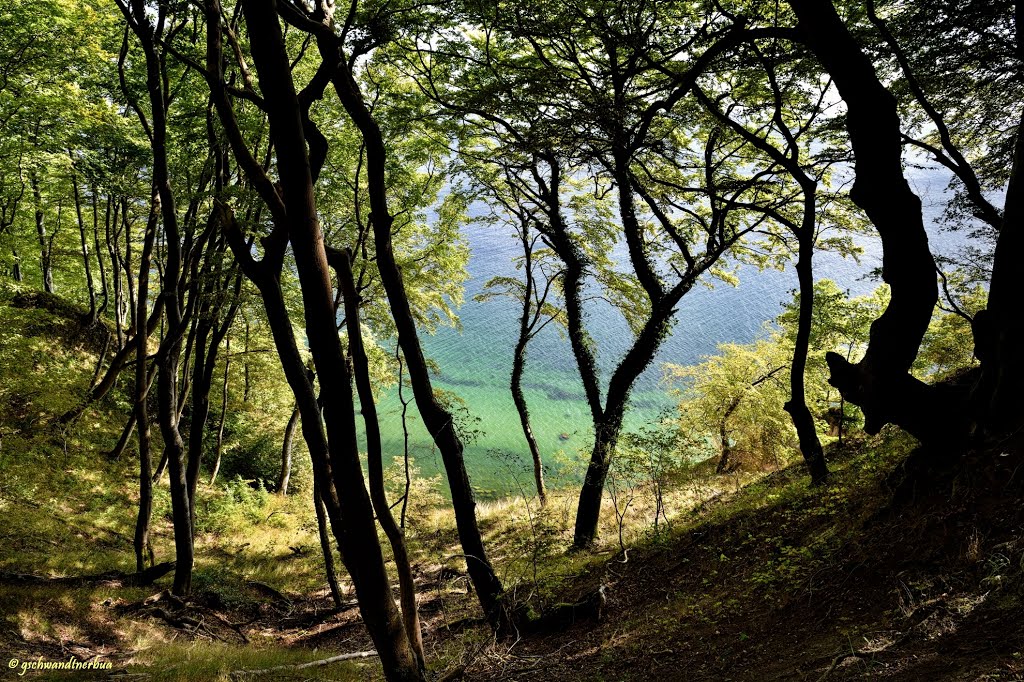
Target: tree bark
{"points": [[435, 417], [325, 547], [218, 451], [286, 453], [519, 365], [359, 542], [880, 383], [93, 310], [374, 456], [45, 256], [141, 410]]}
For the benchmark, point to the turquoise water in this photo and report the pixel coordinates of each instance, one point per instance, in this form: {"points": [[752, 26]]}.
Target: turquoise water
{"points": [[476, 363]]}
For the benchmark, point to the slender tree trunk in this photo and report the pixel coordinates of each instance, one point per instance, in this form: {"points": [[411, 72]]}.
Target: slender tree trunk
{"points": [[128, 270], [374, 457], [723, 437], [104, 289], [18, 277], [365, 561], [115, 269], [223, 412], [245, 363], [436, 418], [93, 310], [286, 452], [810, 445], [325, 547], [141, 412], [45, 257], [519, 364]]}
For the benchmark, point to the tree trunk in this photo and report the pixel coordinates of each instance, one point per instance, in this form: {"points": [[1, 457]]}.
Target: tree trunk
{"points": [[519, 365], [104, 289], [436, 418], [325, 547], [93, 310], [141, 412], [999, 329], [359, 542], [218, 451], [880, 383], [723, 437], [588, 510], [374, 457], [810, 445], [45, 257], [286, 452]]}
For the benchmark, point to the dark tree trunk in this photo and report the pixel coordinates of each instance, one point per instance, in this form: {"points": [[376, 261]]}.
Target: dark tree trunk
{"points": [[803, 420], [325, 547], [723, 437], [45, 256], [170, 346], [359, 543], [16, 271], [141, 410], [435, 417], [219, 449], [374, 456], [519, 365], [286, 453], [245, 363], [999, 329], [880, 383]]}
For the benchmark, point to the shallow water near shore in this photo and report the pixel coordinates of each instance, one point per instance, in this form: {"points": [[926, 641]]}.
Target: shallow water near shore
{"points": [[475, 363]]}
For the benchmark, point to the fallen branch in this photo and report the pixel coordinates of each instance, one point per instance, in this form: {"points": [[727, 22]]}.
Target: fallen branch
{"points": [[145, 577], [302, 666]]}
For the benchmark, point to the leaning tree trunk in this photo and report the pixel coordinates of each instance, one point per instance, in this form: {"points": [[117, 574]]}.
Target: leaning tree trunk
{"points": [[880, 383], [519, 365], [360, 545], [92, 314], [325, 547], [374, 456], [286, 452], [436, 418]]}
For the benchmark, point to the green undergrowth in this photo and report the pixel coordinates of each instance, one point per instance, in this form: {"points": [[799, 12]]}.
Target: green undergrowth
{"points": [[725, 553]]}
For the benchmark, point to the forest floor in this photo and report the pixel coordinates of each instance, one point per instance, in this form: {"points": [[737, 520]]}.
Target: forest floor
{"points": [[756, 578]]}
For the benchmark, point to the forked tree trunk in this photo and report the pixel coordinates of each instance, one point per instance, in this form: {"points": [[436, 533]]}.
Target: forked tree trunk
{"points": [[436, 418], [359, 543]]}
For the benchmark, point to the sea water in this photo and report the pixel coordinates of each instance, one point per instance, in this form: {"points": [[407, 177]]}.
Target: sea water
{"points": [[475, 363]]}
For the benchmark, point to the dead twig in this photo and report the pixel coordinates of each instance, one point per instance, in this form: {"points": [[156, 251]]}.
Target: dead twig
{"points": [[238, 674]]}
